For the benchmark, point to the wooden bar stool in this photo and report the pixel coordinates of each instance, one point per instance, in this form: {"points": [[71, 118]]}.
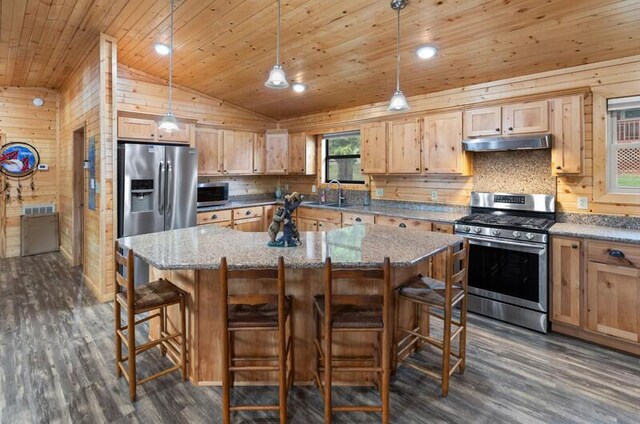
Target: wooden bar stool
{"points": [[426, 292], [356, 314], [156, 295], [257, 313]]}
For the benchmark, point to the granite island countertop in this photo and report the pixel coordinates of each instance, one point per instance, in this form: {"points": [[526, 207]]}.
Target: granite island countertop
{"points": [[596, 232], [442, 216], [357, 246]]}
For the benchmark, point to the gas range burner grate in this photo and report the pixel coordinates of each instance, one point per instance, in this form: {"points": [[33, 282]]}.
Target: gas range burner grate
{"points": [[507, 221]]}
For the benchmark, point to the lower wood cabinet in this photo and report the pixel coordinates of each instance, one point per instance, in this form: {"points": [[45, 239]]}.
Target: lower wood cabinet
{"points": [[565, 280], [214, 217], [393, 221], [307, 224], [251, 225], [328, 225], [439, 227], [595, 287]]}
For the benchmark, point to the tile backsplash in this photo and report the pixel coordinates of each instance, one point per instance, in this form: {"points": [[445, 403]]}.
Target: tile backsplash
{"points": [[514, 172]]}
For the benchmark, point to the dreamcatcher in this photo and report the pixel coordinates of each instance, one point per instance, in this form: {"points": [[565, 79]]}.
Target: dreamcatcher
{"points": [[18, 161]]}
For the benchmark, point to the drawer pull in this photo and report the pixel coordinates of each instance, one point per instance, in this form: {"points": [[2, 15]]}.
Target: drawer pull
{"points": [[214, 216], [402, 225], [497, 129], [358, 219], [616, 253], [574, 246], [247, 213]]}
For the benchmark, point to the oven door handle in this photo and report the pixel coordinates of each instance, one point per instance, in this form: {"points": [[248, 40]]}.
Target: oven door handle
{"points": [[488, 241]]}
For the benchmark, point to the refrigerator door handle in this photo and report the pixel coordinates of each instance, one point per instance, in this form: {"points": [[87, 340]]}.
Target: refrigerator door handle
{"points": [[161, 188], [170, 187]]}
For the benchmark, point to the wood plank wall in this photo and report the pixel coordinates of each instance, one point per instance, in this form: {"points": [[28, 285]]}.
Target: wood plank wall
{"points": [[142, 93], [456, 190], [21, 121], [80, 108]]}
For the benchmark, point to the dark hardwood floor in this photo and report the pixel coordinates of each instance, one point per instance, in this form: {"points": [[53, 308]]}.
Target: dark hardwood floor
{"points": [[57, 365]]}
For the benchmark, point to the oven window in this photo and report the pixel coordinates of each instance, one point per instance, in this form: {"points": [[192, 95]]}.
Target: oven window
{"points": [[504, 271], [212, 194]]}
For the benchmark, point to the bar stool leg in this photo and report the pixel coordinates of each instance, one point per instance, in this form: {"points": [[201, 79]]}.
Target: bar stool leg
{"points": [[386, 371], [282, 372], [291, 367], [131, 352], [446, 349], [118, 321], [226, 394], [183, 341], [163, 329], [328, 407], [462, 340]]}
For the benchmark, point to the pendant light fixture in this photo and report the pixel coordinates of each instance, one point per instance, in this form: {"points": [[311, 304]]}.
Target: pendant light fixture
{"points": [[398, 100], [169, 122], [277, 77]]}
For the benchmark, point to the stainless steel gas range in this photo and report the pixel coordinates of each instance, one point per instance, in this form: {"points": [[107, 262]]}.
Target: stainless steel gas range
{"points": [[508, 262]]}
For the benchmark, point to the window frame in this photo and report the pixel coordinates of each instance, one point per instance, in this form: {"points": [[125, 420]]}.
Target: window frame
{"points": [[601, 157], [328, 157], [612, 157]]}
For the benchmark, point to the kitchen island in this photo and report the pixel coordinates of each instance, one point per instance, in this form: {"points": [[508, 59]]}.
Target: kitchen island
{"points": [[190, 259]]}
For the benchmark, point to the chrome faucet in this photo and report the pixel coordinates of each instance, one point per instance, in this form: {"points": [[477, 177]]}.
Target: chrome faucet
{"points": [[340, 194]]}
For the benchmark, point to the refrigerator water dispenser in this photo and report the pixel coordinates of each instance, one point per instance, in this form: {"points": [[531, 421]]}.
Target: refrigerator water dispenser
{"points": [[142, 195]]}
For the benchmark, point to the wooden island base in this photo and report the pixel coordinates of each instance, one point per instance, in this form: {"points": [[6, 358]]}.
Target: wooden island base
{"points": [[204, 318]]}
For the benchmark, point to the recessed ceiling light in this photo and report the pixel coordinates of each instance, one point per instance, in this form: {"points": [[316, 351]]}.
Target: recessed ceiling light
{"points": [[162, 49], [38, 102], [426, 52], [299, 87]]}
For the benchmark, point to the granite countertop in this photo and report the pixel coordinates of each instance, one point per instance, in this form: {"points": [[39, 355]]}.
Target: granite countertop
{"points": [[447, 217], [596, 232], [358, 246]]}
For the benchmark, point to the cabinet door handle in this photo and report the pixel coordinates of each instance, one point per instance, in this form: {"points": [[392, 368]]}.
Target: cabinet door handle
{"points": [[497, 129], [358, 219], [616, 253], [402, 225], [214, 216], [510, 128], [574, 246], [558, 167]]}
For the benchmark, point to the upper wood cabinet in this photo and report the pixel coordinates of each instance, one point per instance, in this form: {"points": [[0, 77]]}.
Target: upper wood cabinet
{"points": [[302, 154], [181, 135], [373, 148], [238, 152], [482, 122], [136, 129], [277, 153], [209, 146], [442, 145], [567, 152], [529, 117], [565, 280], [403, 146], [259, 154]]}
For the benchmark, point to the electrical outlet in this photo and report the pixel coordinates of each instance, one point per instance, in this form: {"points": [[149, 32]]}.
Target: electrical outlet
{"points": [[583, 203], [434, 196], [286, 187], [379, 192], [314, 188]]}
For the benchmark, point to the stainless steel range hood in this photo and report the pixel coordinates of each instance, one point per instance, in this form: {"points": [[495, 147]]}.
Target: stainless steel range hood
{"points": [[507, 142]]}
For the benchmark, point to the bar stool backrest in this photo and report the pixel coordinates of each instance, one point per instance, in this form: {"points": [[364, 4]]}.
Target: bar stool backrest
{"points": [[276, 275], [125, 282], [458, 264]]}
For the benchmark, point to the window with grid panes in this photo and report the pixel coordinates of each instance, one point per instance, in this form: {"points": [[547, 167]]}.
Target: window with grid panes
{"points": [[623, 144], [342, 157]]}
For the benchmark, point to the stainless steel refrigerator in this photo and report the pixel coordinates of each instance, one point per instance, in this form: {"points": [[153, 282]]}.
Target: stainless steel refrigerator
{"points": [[157, 191]]}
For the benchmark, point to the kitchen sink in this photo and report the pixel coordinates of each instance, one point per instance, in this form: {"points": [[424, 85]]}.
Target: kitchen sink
{"points": [[329, 205]]}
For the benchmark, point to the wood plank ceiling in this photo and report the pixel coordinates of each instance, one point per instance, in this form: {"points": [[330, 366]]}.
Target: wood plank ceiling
{"points": [[344, 50]]}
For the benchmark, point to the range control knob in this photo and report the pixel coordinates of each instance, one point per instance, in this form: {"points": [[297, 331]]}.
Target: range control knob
{"points": [[477, 230], [495, 232], [466, 228], [529, 236], [516, 234]]}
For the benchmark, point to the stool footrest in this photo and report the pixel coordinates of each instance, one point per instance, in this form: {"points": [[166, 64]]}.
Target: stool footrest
{"points": [[160, 374], [254, 408], [355, 408], [255, 368]]}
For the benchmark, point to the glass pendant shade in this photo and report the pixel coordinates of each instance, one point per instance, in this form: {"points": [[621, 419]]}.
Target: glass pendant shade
{"points": [[277, 78], [168, 123], [398, 102]]}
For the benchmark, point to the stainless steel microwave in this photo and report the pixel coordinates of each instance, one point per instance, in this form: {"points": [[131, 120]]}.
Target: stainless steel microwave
{"points": [[211, 194]]}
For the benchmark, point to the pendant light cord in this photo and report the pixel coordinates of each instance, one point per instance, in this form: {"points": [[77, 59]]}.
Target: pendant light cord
{"points": [[170, 53], [278, 37], [398, 54]]}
